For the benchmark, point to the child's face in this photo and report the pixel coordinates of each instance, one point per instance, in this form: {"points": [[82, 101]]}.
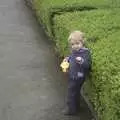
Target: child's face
{"points": [[76, 45]]}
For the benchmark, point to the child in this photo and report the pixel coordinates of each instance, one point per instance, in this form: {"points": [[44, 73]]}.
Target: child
{"points": [[79, 66]]}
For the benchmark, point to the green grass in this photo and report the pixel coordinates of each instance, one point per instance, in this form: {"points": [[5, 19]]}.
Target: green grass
{"points": [[102, 30]]}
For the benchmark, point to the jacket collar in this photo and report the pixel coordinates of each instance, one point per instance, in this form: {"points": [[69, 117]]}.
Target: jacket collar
{"points": [[80, 50]]}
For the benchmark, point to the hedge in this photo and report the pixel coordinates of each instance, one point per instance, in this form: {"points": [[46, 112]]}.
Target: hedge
{"points": [[102, 30], [100, 21], [96, 24], [46, 9]]}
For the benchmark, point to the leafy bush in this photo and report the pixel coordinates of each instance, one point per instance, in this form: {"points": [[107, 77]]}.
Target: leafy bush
{"points": [[99, 19], [46, 9], [96, 24], [102, 30], [106, 77]]}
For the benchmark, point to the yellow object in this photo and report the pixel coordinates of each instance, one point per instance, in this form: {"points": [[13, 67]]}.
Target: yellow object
{"points": [[64, 65]]}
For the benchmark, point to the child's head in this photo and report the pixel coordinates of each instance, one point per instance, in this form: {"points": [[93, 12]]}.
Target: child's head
{"points": [[76, 40]]}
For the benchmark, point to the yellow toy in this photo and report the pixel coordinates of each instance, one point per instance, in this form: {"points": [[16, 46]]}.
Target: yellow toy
{"points": [[64, 65]]}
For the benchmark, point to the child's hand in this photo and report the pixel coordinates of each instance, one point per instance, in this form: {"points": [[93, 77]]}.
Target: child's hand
{"points": [[65, 59], [78, 58]]}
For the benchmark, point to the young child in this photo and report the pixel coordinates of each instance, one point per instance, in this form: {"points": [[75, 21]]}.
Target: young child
{"points": [[79, 66]]}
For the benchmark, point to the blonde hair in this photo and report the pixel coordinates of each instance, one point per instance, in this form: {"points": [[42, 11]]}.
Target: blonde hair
{"points": [[75, 39], [76, 36]]}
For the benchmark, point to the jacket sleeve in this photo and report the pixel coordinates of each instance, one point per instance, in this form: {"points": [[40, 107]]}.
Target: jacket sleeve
{"points": [[86, 62], [69, 58]]}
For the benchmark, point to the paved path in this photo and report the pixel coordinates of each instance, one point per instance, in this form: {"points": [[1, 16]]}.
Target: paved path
{"points": [[31, 85]]}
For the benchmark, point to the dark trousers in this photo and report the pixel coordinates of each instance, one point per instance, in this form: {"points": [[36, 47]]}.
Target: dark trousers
{"points": [[73, 98]]}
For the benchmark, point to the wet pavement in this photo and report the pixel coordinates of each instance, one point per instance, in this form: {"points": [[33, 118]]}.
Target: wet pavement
{"points": [[31, 84]]}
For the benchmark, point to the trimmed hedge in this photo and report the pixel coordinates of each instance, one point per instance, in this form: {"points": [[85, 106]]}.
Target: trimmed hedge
{"points": [[102, 29], [99, 19], [106, 77], [46, 9], [96, 24]]}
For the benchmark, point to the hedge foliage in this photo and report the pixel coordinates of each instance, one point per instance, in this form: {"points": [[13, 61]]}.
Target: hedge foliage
{"points": [[100, 20], [106, 77], [46, 9], [102, 30], [97, 24]]}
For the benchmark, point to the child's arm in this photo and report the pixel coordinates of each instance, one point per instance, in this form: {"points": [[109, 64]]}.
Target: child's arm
{"points": [[85, 60], [66, 59]]}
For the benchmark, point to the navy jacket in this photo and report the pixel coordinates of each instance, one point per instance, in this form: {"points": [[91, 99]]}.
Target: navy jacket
{"points": [[79, 69]]}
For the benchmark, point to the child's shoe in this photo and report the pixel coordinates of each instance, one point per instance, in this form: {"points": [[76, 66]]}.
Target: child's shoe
{"points": [[67, 111]]}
